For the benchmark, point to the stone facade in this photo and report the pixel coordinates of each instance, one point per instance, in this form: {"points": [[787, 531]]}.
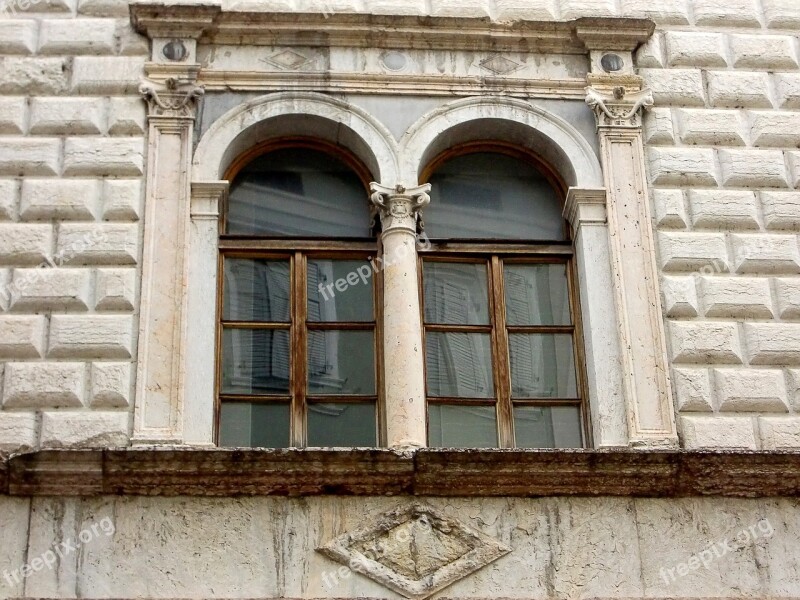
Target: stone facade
{"points": [[106, 298]]}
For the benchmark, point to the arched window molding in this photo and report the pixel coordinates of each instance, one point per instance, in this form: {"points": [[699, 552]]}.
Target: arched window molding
{"points": [[527, 126]]}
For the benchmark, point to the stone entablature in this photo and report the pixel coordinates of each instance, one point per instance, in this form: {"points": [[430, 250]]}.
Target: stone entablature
{"points": [[342, 52]]}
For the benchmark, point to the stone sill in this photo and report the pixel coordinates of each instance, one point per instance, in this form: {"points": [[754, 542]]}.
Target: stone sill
{"points": [[383, 472]]}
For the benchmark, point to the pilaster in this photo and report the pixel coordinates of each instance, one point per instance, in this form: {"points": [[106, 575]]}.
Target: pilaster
{"points": [[618, 101], [586, 211], [171, 94]]}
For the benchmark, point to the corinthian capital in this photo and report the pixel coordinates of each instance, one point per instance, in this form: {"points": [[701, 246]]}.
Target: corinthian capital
{"points": [[618, 107], [172, 98], [399, 207]]}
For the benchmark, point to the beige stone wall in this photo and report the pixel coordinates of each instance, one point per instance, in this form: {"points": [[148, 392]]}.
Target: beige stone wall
{"points": [[266, 547], [71, 195], [723, 164]]}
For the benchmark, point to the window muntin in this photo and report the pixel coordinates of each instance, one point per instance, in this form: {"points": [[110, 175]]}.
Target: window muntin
{"points": [[317, 376], [494, 381], [503, 363], [298, 341]]}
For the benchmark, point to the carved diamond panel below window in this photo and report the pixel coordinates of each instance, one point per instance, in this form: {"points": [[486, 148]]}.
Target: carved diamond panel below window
{"points": [[415, 550], [499, 65]]}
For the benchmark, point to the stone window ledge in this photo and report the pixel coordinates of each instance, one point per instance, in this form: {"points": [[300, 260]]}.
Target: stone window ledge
{"points": [[380, 472]]}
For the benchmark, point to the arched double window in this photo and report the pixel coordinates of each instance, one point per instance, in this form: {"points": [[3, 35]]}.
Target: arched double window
{"points": [[298, 332], [299, 335]]}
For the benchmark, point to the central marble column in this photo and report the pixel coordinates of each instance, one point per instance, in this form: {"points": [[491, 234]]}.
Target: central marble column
{"points": [[402, 325]]}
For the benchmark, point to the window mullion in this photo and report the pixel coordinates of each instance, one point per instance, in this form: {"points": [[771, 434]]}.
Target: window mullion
{"points": [[299, 349], [500, 362]]}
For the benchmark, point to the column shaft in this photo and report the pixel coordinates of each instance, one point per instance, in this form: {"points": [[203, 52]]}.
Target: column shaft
{"points": [[406, 411]]}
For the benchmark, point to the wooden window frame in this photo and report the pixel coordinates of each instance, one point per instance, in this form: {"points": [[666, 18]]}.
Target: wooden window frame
{"points": [[495, 254], [297, 251]]}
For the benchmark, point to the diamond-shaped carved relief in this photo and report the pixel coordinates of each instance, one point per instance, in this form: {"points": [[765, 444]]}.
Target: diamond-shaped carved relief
{"points": [[288, 59], [415, 550], [500, 65]]}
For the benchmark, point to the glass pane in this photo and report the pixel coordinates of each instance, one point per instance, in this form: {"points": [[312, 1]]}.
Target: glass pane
{"points": [[536, 294], [255, 361], [548, 427], [337, 425], [462, 426], [254, 425], [340, 290], [256, 290], [459, 365], [492, 196], [542, 366], [298, 192], [341, 362], [456, 293]]}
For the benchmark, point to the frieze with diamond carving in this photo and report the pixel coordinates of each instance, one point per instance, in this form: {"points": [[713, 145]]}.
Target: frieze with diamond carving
{"points": [[415, 550]]}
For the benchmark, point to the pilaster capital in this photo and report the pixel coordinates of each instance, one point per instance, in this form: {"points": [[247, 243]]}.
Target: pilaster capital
{"points": [[617, 101], [208, 198], [172, 99], [585, 206], [399, 207]]}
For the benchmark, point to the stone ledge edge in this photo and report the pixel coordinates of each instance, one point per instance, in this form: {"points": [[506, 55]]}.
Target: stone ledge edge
{"points": [[384, 472]]}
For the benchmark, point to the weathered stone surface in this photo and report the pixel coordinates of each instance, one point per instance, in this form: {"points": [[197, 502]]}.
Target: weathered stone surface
{"points": [[557, 544], [14, 513], [468, 473]]}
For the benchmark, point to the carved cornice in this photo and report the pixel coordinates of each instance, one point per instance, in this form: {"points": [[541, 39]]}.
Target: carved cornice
{"points": [[399, 207], [379, 472], [613, 34], [159, 20], [621, 108], [210, 24], [174, 99]]}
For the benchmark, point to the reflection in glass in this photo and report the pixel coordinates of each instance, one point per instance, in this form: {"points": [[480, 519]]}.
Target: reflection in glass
{"points": [[341, 362], [548, 427], [256, 290], [536, 294], [337, 425], [489, 195], [456, 293], [340, 290], [459, 365], [298, 192], [254, 425], [452, 426], [255, 361], [542, 366]]}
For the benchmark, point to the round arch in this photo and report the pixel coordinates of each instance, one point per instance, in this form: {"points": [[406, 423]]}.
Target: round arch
{"points": [[296, 114], [503, 120]]}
